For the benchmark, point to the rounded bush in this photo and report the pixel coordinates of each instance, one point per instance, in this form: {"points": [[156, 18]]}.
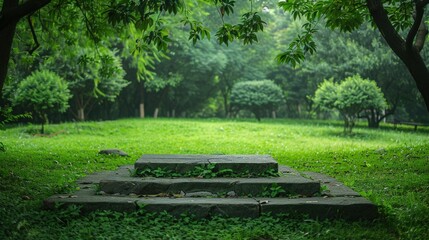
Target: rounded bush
{"points": [[256, 96], [43, 93]]}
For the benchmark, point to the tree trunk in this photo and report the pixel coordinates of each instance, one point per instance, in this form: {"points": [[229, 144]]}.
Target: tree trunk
{"points": [[141, 110], [81, 114], [155, 113], [417, 67], [6, 40], [45, 120], [349, 123], [373, 119], [405, 50], [225, 103], [11, 13], [257, 115], [141, 96]]}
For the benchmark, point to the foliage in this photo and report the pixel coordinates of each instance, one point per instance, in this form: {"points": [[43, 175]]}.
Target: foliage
{"points": [[43, 93], [343, 15], [7, 116], [93, 77], [161, 85], [350, 97], [202, 171], [389, 166], [273, 191], [256, 96], [401, 23]]}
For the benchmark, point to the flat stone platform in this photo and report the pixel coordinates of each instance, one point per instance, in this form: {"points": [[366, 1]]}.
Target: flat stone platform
{"points": [[255, 164], [293, 193]]}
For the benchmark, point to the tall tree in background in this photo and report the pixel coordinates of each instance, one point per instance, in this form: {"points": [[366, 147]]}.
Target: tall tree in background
{"points": [[392, 18]]}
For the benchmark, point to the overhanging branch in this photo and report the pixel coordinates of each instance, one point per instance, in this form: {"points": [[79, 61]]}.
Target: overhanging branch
{"points": [[384, 25], [33, 33], [419, 13], [12, 15]]}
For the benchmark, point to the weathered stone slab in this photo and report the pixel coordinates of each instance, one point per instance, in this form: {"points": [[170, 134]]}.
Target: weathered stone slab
{"points": [[254, 164], [287, 170], [291, 184], [116, 152], [198, 207], [348, 208], [89, 202], [334, 188], [203, 207], [96, 177]]}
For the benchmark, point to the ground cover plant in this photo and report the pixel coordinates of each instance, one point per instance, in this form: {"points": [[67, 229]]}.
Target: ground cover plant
{"points": [[388, 166]]}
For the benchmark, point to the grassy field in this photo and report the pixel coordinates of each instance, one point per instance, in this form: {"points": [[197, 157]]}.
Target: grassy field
{"points": [[388, 166]]}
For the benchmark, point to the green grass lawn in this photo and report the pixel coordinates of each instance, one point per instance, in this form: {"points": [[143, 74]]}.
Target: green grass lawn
{"points": [[388, 166]]}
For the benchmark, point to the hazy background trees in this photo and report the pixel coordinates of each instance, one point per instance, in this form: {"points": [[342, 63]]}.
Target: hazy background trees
{"points": [[122, 75]]}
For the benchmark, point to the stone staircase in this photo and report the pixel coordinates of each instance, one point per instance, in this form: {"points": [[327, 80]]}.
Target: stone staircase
{"points": [[209, 185]]}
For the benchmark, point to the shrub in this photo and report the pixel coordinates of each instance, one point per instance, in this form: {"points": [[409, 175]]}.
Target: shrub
{"points": [[256, 96], [43, 93], [350, 97]]}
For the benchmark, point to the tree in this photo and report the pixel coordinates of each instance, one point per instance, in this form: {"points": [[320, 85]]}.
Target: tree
{"points": [[256, 96], [103, 20], [162, 85], [340, 55], [392, 18], [351, 97], [93, 76], [11, 13], [44, 93]]}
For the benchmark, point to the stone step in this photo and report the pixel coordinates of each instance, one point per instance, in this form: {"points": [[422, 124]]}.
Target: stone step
{"points": [[337, 201], [182, 164], [348, 208], [287, 185]]}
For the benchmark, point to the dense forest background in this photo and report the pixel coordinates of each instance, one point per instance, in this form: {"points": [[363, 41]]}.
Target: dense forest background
{"points": [[118, 78]]}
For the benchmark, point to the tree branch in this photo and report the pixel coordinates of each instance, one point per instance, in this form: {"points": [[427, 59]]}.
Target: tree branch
{"points": [[11, 15], [419, 13], [384, 25], [33, 33], [88, 23]]}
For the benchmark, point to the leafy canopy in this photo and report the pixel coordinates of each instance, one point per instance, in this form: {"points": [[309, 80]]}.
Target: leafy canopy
{"points": [[344, 15]]}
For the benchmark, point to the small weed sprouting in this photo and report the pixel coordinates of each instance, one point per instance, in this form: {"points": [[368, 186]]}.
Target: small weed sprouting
{"points": [[270, 173], [273, 191], [157, 172], [203, 171], [133, 172], [324, 188], [160, 172], [227, 172], [97, 188]]}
